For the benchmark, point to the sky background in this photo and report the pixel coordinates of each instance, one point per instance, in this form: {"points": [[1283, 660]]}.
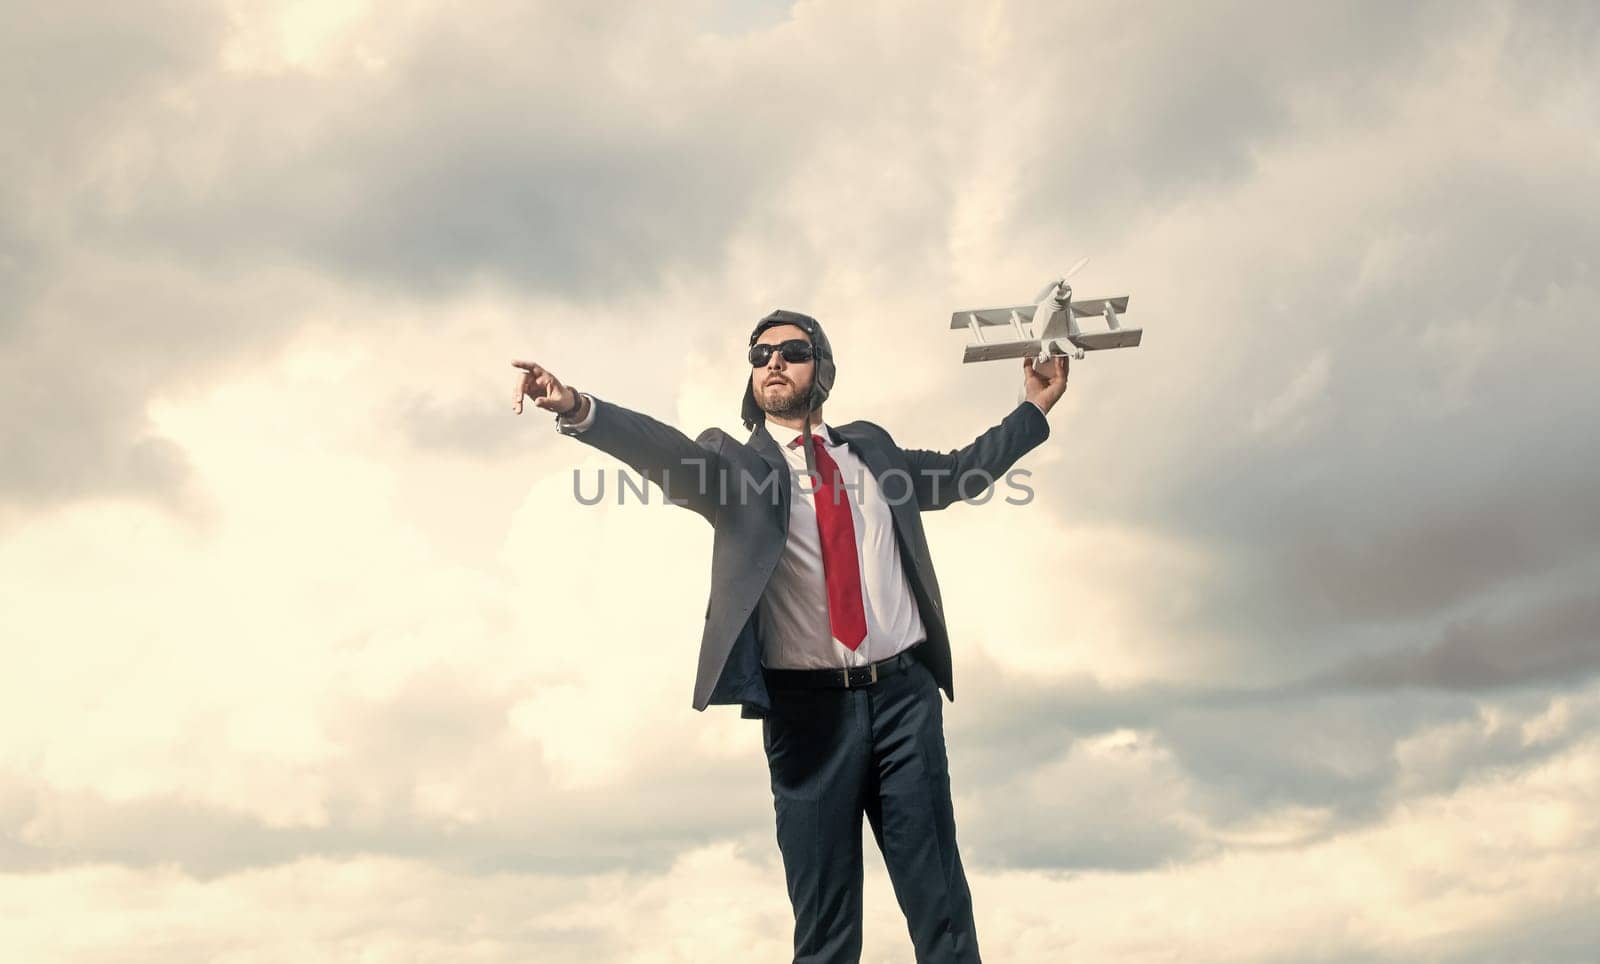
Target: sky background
{"points": [[309, 653]]}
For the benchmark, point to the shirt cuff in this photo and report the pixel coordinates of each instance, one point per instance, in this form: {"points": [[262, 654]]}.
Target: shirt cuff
{"points": [[582, 425], [1034, 404]]}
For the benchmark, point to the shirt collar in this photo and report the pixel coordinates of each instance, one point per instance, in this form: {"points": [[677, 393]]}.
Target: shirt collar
{"points": [[786, 436]]}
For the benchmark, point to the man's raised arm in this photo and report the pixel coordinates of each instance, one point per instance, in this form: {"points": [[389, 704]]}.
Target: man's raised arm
{"points": [[937, 477], [686, 470]]}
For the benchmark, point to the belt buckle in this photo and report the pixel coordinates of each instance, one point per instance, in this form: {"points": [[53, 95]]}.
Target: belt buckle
{"points": [[872, 674]]}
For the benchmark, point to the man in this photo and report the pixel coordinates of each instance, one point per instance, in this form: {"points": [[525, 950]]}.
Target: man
{"points": [[825, 619]]}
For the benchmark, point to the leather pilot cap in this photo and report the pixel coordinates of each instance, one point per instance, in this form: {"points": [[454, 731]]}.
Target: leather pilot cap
{"points": [[821, 383]]}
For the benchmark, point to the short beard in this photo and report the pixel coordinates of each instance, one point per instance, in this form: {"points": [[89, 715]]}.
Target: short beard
{"points": [[798, 404]]}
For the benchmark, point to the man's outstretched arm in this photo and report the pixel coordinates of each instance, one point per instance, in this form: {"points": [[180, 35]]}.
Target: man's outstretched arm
{"points": [[686, 470], [937, 477]]}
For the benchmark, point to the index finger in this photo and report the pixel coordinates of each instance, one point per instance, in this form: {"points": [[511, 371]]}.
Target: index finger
{"points": [[527, 366]]}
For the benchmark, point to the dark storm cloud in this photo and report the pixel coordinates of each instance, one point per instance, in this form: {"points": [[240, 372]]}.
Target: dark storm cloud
{"points": [[1167, 102], [518, 145], [80, 345], [1375, 552], [71, 74], [1437, 461], [70, 69], [1543, 641]]}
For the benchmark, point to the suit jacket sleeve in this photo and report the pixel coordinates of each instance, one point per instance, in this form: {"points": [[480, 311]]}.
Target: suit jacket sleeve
{"points": [[936, 477], [687, 470]]}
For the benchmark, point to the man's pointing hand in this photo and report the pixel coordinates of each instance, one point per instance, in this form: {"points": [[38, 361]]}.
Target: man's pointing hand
{"points": [[544, 388]]}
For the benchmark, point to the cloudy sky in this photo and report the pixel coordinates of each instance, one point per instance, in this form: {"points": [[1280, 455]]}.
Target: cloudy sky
{"points": [[309, 653]]}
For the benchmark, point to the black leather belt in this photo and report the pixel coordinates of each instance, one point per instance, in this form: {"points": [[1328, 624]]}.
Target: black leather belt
{"points": [[843, 677]]}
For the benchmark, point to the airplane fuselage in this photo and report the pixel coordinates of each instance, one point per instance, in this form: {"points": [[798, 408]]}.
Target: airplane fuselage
{"points": [[1055, 326]]}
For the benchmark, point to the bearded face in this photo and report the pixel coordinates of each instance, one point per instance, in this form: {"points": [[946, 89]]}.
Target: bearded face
{"points": [[783, 389]]}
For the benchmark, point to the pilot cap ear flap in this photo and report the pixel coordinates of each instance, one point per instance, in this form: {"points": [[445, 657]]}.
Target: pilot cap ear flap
{"points": [[821, 383]]}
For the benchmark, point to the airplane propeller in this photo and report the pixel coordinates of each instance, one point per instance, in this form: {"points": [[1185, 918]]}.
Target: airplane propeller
{"points": [[1052, 286]]}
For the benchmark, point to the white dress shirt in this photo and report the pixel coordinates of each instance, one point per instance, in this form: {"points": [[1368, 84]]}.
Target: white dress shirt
{"points": [[795, 629]]}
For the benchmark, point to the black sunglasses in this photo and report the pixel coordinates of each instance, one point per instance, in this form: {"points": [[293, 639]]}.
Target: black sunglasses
{"points": [[794, 351]]}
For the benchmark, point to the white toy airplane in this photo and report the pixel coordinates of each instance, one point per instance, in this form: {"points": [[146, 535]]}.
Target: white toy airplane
{"points": [[1049, 326]]}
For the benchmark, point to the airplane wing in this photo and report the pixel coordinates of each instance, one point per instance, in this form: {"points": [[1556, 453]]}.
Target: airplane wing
{"points": [[994, 350], [992, 316], [1088, 341], [1096, 340], [1097, 306], [1002, 316]]}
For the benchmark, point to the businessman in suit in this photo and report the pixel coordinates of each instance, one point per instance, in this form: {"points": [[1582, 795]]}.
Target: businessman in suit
{"points": [[825, 619]]}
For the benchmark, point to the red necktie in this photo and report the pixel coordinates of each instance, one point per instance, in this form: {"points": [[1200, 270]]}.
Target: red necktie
{"points": [[841, 565]]}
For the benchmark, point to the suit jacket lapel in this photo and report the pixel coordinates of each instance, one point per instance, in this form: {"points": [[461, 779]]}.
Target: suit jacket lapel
{"points": [[762, 441], [904, 510], [764, 444]]}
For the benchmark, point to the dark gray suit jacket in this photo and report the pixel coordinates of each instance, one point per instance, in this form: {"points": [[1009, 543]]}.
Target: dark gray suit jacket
{"points": [[743, 490]]}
